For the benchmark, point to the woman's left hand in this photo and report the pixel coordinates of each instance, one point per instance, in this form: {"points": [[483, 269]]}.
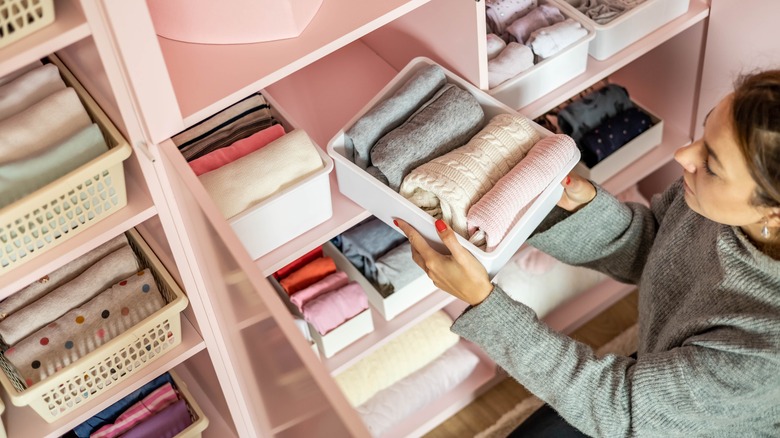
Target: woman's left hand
{"points": [[460, 274]]}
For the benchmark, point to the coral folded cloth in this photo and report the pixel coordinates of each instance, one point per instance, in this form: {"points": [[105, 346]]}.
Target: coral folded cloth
{"points": [[94, 280], [407, 353], [308, 274], [19, 72], [298, 263], [390, 113], [543, 16], [228, 154], [513, 60], [415, 391], [501, 13], [447, 186], [20, 178], [491, 218], [612, 134], [249, 180], [29, 88], [548, 41], [165, 424], [604, 11], [225, 128], [111, 413], [331, 309], [495, 44], [153, 403], [42, 125], [448, 120], [84, 329], [396, 269], [61, 276], [330, 283], [366, 242], [582, 115]]}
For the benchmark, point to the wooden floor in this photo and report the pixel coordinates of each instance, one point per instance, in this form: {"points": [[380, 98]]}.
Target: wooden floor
{"points": [[488, 408]]}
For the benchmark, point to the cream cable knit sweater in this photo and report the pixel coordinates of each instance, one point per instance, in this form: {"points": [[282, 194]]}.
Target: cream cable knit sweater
{"points": [[447, 186]]}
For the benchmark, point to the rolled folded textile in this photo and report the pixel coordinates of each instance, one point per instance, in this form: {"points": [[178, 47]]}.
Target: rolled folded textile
{"points": [[548, 41], [513, 60], [94, 280], [604, 11], [331, 309], [542, 16], [365, 243], [29, 88], [495, 44], [42, 125], [582, 115], [405, 354], [85, 328], [417, 390], [447, 186], [448, 120], [165, 424], [308, 274], [612, 134], [396, 269], [298, 263], [251, 179], [57, 278], [330, 283], [501, 13], [158, 400], [218, 158], [491, 218], [390, 113], [22, 177], [20, 71]]}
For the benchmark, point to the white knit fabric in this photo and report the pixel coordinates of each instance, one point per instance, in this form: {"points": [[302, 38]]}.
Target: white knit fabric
{"points": [[29, 88], [249, 180], [447, 186], [550, 40]]}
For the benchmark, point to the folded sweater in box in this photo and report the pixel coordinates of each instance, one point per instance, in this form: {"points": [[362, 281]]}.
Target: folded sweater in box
{"points": [[28, 89], [604, 11], [365, 243]]}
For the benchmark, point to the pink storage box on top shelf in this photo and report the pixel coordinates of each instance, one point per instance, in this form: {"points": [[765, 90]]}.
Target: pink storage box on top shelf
{"points": [[550, 73], [387, 204]]}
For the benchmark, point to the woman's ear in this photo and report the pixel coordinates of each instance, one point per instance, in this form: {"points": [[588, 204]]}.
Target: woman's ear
{"points": [[773, 217]]}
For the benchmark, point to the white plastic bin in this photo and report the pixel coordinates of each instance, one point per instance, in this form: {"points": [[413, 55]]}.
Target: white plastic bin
{"points": [[550, 73], [386, 204], [629, 27]]}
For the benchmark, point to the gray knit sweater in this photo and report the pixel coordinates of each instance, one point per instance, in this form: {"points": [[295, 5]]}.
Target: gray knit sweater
{"points": [[709, 316]]}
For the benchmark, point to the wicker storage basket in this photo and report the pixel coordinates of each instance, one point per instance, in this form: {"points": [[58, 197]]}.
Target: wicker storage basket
{"points": [[2, 426], [72, 203], [199, 421], [110, 363], [19, 18]]}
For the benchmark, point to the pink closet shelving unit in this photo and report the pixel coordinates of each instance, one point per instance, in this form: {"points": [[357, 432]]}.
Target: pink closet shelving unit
{"points": [[242, 357]]}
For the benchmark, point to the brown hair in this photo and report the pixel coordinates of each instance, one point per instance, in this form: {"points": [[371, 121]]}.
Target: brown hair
{"points": [[756, 115]]}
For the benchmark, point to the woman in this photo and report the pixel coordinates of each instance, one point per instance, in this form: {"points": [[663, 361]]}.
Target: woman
{"points": [[706, 258]]}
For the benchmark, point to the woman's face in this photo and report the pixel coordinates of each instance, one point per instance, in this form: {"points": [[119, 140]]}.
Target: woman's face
{"points": [[718, 184]]}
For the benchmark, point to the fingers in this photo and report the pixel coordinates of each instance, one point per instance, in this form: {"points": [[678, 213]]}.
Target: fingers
{"points": [[417, 240], [450, 240]]}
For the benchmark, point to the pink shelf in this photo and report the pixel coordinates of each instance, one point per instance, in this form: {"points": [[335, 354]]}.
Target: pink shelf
{"points": [[218, 426], [69, 26], [24, 422], [598, 70]]}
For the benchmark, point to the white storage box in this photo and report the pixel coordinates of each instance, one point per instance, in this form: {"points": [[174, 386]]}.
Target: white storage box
{"points": [[287, 214], [628, 153], [398, 301], [341, 336], [629, 27], [550, 73], [386, 204]]}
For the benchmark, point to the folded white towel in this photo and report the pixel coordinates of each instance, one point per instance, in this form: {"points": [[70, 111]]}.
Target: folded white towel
{"points": [[29, 88], [249, 180]]}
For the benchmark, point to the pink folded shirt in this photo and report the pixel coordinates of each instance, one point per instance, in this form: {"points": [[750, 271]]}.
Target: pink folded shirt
{"points": [[158, 400], [218, 158], [330, 310], [330, 283]]}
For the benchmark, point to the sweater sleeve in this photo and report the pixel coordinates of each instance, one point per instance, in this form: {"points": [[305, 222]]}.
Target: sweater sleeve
{"points": [[661, 394], [606, 235]]}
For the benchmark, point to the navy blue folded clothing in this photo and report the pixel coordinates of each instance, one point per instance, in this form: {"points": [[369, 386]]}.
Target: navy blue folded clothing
{"points": [[581, 116], [612, 134]]}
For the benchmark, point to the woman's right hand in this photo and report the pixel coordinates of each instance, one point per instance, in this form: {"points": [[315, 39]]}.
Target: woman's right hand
{"points": [[577, 192]]}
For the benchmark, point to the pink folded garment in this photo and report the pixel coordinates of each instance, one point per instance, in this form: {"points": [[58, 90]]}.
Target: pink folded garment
{"points": [[220, 157], [330, 283], [494, 214], [501, 13], [494, 45], [543, 16], [330, 310], [158, 400]]}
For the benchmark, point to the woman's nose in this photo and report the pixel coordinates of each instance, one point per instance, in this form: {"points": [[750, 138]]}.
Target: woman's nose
{"points": [[686, 156]]}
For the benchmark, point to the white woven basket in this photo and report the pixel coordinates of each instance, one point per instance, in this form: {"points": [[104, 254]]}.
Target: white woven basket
{"points": [[19, 18]]}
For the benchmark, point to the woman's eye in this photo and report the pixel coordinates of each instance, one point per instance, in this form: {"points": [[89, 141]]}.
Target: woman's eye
{"points": [[707, 168]]}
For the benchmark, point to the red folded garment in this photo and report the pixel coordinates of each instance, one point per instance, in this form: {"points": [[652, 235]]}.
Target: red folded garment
{"points": [[299, 263], [308, 275]]}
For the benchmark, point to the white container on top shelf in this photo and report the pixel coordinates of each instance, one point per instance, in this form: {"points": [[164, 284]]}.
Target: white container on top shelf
{"points": [[627, 154], [628, 27], [348, 332], [387, 204], [550, 73], [394, 304]]}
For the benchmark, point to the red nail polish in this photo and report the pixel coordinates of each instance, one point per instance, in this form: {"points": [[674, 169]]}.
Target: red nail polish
{"points": [[440, 225], [568, 180], [395, 222]]}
